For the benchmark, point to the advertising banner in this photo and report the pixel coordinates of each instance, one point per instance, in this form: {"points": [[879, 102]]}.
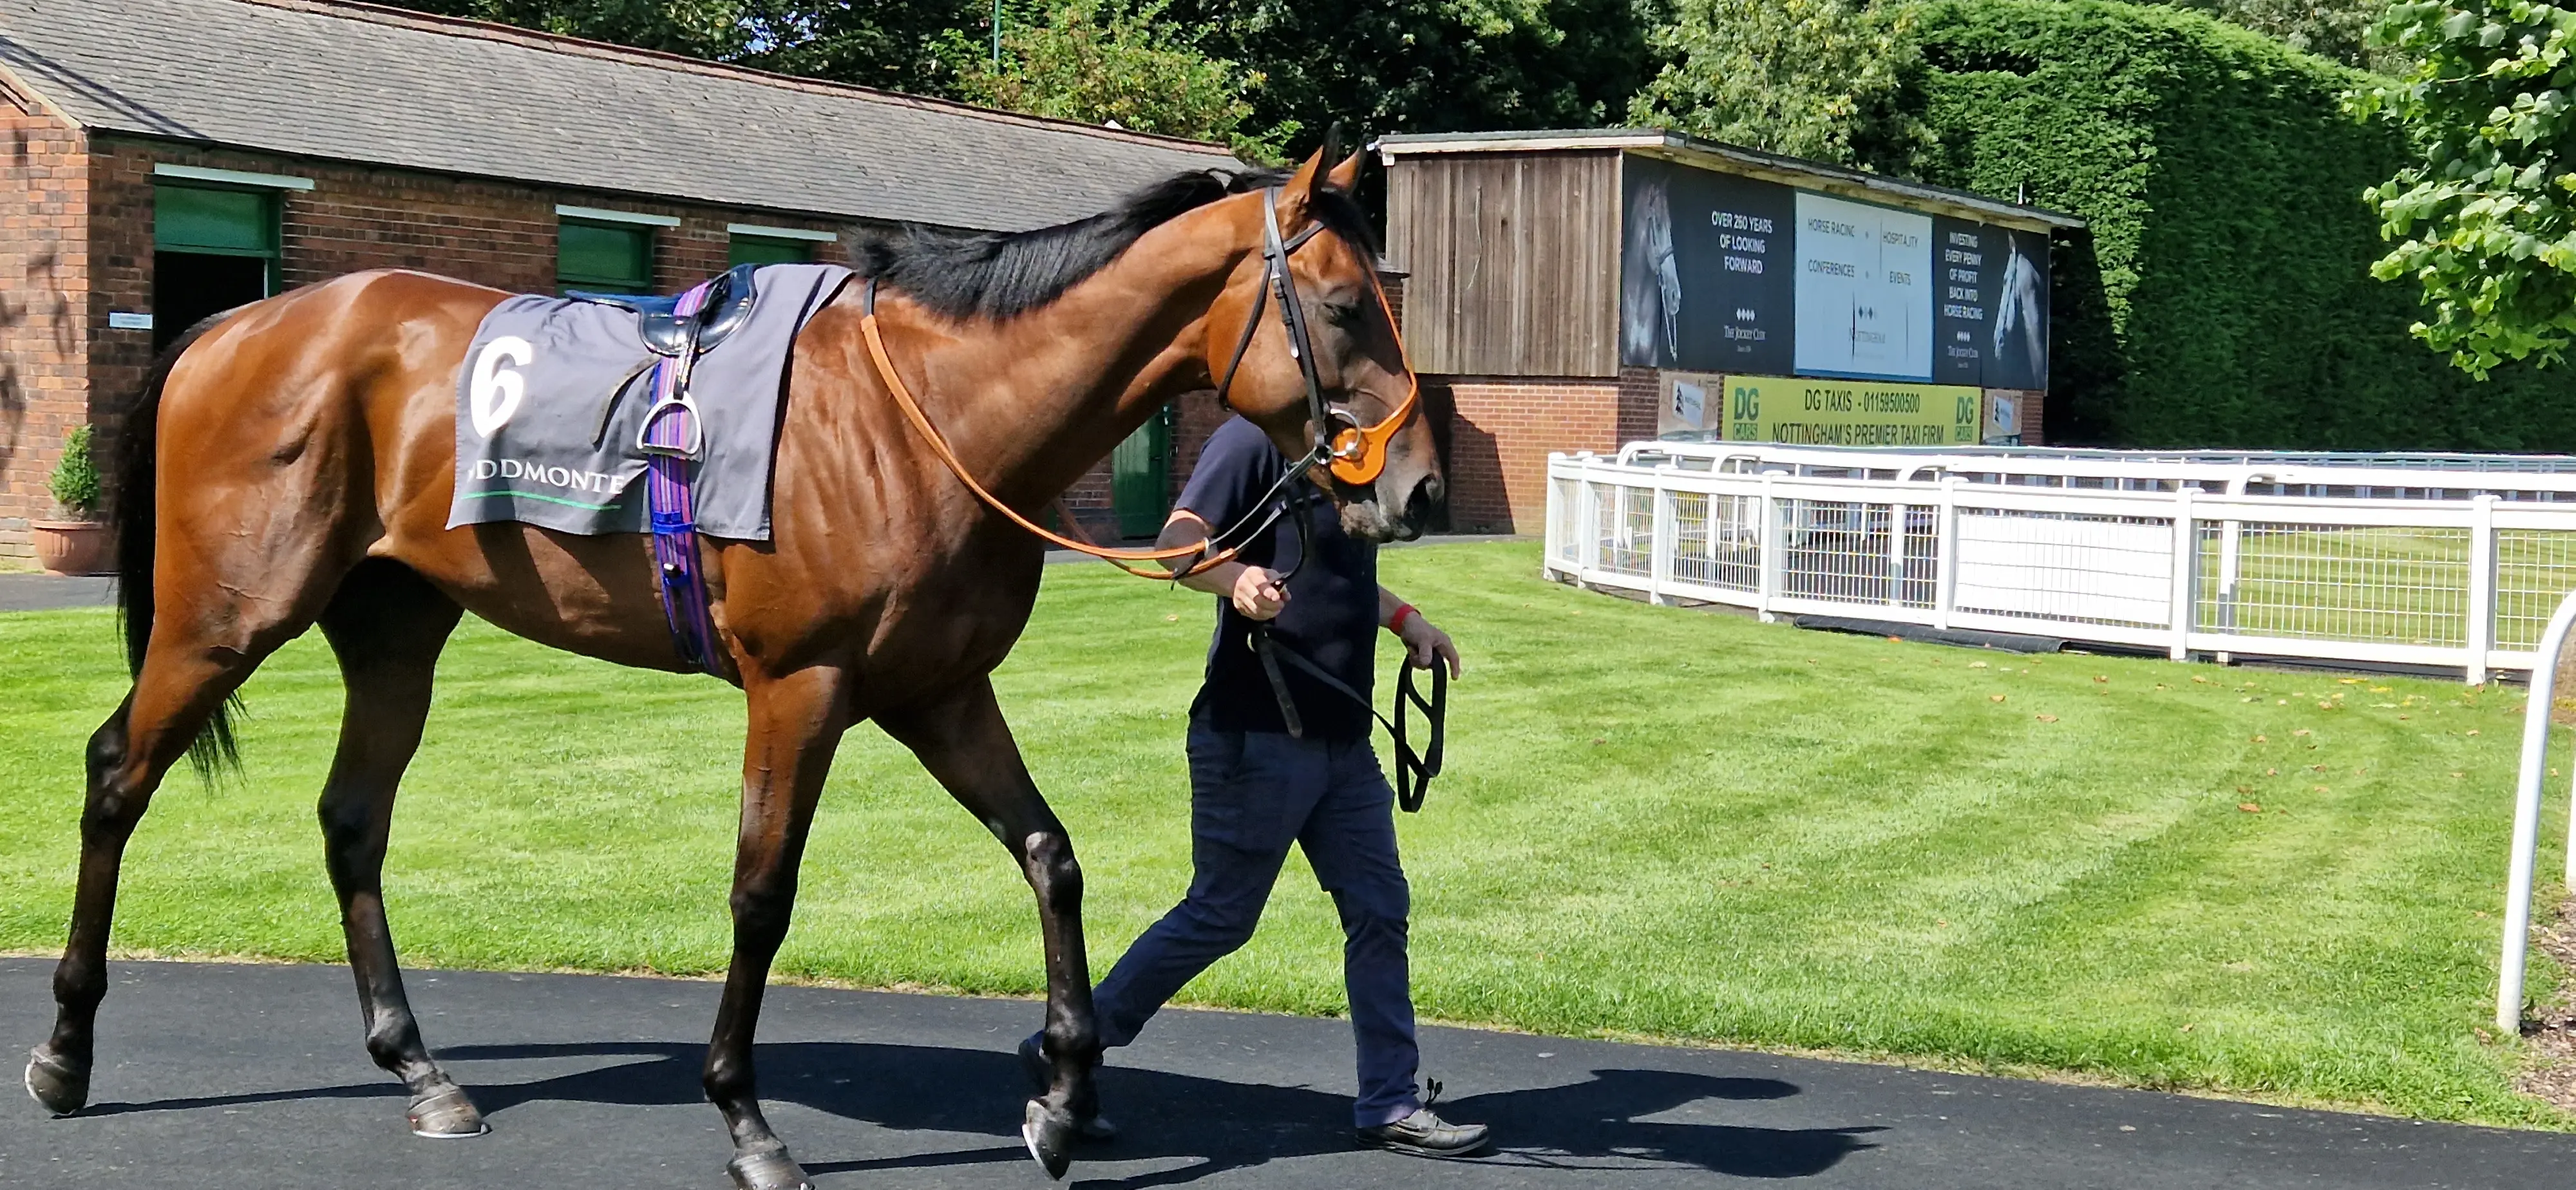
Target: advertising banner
{"points": [[2019, 331], [1965, 257], [2004, 408], [1809, 412], [1864, 290], [1692, 405], [1727, 274], [1705, 278]]}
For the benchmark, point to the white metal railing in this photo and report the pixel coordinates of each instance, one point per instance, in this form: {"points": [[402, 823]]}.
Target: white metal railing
{"points": [[2456, 572], [2526, 823], [2281, 473]]}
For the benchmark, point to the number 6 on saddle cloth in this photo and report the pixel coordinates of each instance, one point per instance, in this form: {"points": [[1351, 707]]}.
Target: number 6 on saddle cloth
{"points": [[567, 402]]}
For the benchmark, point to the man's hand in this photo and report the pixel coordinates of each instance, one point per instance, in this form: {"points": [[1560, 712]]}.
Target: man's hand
{"points": [[1258, 593], [1426, 646]]}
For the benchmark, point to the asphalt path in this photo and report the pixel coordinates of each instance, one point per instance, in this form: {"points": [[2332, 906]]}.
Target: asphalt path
{"points": [[46, 592], [224, 1077]]}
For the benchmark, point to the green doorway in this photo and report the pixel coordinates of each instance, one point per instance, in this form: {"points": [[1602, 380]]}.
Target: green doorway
{"points": [[1140, 477]]}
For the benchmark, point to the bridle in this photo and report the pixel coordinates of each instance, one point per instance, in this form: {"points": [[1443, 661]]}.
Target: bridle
{"points": [[1347, 451], [1350, 452]]}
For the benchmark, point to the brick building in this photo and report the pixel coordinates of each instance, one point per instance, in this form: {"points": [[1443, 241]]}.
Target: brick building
{"points": [[173, 159]]}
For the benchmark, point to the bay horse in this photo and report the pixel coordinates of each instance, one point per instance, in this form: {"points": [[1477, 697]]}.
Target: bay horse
{"points": [[291, 464]]}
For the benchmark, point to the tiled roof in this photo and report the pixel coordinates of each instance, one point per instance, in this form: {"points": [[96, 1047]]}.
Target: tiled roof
{"points": [[356, 82]]}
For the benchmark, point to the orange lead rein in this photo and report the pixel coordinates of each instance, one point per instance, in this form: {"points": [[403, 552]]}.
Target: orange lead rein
{"points": [[939, 446]]}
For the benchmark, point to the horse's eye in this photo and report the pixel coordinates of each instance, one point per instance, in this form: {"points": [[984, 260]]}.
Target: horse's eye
{"points": [[1342, 316]]}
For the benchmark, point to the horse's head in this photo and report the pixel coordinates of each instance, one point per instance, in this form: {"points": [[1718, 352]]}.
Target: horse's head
{"points": [[1383, 470]]}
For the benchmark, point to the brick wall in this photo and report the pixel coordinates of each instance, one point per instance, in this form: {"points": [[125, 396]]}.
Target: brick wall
{"points": [[492, 233], [45, 308], [1500, 430], [76, 242]]}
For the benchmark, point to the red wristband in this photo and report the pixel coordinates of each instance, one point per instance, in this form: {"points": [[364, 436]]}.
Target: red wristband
{"points": [[1395, 623]]}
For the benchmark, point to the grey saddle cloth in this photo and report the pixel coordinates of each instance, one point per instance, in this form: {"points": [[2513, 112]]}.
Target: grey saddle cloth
{"points": [[553, 392]]}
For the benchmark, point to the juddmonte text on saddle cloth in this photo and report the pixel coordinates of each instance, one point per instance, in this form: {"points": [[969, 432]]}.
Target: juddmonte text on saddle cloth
{"points": [[553, 393]]}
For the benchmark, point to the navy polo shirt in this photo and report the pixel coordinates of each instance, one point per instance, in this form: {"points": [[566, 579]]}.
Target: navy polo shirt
{"points": [[1331, 614]]}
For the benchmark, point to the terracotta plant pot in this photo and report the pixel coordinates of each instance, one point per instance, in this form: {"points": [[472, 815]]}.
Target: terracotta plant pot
{"points": [[72, 547]]}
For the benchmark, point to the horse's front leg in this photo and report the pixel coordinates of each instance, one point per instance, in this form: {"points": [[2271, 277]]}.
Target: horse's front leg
{"points": [[796, 723], [964, 743]]}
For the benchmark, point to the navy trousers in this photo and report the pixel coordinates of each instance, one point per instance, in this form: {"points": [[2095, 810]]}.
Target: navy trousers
{"points": [[1251, 795]]}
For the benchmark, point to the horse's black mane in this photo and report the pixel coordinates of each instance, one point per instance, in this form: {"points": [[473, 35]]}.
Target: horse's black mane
{"points": [[998, 275]]}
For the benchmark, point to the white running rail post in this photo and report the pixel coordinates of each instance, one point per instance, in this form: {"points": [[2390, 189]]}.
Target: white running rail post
{"points": [[2482, 587], [1767, 545], [2526, 818], [1659, 550], [1945, 563], [2186, 571], [1896, 555]]}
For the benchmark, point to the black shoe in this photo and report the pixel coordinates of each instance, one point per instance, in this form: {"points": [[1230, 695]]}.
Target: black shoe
{"points": [[1041, 1073], [1425, 1134]]}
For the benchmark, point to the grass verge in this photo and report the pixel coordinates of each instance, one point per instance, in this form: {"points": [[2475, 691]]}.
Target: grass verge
{"points": [[1656, 823]]}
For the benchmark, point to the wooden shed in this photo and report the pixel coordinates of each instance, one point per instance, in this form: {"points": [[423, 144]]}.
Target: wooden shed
{"points": [[1576, 290]]}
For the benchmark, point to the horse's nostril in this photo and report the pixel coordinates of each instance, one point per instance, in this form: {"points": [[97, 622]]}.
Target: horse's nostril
{"points": [[1418, 507]]}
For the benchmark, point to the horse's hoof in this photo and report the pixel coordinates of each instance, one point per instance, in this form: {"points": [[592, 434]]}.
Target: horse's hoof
{"points": [[1050, 1135], [445, 1114], [55, 1084], [767, 1169]]}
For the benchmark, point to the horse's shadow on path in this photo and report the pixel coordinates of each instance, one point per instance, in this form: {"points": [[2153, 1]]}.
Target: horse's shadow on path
{"points": [[1218, 1125]]}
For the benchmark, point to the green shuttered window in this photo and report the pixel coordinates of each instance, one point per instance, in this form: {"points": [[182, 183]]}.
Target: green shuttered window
{"points": [[216, 222], [764, 250], [607, 257]]}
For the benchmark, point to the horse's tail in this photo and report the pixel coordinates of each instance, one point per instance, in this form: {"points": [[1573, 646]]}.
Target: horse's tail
{"points": [[132, 507]]}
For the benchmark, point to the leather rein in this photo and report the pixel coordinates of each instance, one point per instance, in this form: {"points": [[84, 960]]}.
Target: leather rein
{"points": [[1350, 452]]}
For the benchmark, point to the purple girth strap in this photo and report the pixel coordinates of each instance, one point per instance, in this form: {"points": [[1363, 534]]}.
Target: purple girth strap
{"points": [[674, 440]]}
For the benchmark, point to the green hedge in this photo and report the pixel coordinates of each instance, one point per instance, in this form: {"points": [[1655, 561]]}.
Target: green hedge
{"points": [[2221, 295]]}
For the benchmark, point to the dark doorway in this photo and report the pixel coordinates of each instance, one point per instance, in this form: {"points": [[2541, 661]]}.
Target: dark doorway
{"points": [[189, 286], [215, 247]]}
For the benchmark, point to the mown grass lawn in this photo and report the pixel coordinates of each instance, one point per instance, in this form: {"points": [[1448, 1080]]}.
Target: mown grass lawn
{"points": [[1655, 821]]}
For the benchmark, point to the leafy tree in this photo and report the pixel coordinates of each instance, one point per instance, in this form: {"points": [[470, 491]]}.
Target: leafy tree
{"points": [[2333, 29], [1431, 65], [892, 44], [896, 45], [1826, 79], [2485, 216], [1102, 62], [698, 28], [1375, 65]]}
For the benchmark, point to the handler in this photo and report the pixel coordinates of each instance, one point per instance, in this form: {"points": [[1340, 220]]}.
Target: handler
{"points": [[1254, 788]]}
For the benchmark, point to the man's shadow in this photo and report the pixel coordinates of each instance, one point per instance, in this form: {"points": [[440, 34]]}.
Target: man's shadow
{"points": [[1217, 1125]]}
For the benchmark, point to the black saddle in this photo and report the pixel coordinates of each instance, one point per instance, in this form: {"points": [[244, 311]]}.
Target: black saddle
{"points": [[658, 320]]}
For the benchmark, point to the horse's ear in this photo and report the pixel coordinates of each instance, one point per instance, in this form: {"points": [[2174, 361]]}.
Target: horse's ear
{"points": [[1302, 183], [1346, 176]]}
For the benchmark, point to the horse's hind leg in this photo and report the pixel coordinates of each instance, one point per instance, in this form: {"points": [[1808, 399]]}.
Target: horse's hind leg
{"points": [[185, 677], [387, 626]]}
